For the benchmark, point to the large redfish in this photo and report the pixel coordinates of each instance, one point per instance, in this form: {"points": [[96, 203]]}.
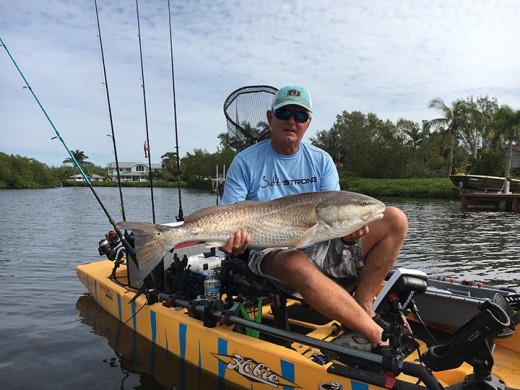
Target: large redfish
{"points": [[289, 222]]}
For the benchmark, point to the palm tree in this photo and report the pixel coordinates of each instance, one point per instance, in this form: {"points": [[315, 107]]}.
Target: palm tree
{"points": [[81, 159], [507, 125], [169, 163], [455, 119], [240, 137], [224, 140], [264, 130]]}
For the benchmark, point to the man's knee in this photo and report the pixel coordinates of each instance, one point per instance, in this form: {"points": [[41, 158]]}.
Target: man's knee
{"points": [[391, 230], [395, 220]]}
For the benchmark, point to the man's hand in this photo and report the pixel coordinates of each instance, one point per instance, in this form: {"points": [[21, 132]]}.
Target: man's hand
{"points": [[237, 243], [355, 236]]}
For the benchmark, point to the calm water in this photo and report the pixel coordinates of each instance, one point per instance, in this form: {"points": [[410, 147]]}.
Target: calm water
{"points": [[54, 336]]}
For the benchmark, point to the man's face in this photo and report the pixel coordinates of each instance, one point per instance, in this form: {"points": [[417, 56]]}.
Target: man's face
{"points": [[288, 127]]}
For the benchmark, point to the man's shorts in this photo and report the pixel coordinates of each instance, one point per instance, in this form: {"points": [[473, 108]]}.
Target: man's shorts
{"points": [[333, 258]]}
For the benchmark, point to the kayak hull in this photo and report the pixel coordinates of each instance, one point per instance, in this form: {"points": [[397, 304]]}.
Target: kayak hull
{"points": [[251, 362]]}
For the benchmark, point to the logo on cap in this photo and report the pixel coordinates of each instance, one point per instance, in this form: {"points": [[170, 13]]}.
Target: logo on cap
{"points": [[293, 92]]}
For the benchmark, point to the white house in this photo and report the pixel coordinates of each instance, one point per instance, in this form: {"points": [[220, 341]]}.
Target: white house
{"points": [[93, 177], [131, 171]]}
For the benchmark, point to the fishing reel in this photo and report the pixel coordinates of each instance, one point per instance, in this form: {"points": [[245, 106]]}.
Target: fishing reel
{"points": [[111, 247], [393, 303]]}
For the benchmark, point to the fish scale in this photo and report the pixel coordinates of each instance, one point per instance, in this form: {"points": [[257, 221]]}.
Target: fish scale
{"points": [[288, 222]]}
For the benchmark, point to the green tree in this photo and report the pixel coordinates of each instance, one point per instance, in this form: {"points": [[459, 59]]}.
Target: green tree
{"points": [[199, 167], [332, 142], [389, 157], [169, 164], [354, 135], [411, 132], [507, 124], [22, 172], [485, 109], [238, 139], [455, 119], [81, 159], [224, 141]]}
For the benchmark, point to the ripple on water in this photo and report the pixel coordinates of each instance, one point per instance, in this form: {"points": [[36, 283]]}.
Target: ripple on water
{"points": [[444, 241]]}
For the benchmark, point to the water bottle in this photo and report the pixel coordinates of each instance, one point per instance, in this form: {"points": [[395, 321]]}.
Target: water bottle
{"points": [[212, 285]]}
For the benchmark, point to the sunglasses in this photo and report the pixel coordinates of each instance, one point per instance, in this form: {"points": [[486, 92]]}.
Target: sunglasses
{"points": [[284, 114]]}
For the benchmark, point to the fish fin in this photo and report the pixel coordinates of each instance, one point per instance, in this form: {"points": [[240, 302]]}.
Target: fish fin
{"points": [[306, 238], [150, 247]]}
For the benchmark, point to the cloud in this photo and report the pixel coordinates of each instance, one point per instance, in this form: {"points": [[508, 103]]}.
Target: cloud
{"points": [[386, 57]]}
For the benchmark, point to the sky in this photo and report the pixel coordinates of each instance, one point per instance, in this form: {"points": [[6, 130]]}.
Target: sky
{"points": [[388, 57]]}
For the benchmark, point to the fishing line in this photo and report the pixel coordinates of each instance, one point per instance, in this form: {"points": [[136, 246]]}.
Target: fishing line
{"points": [[110, 114], [58, 135], [180, 216], [145, 112]]}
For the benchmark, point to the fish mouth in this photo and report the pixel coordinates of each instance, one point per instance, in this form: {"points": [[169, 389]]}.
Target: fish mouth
{"points": [[373, 216]]}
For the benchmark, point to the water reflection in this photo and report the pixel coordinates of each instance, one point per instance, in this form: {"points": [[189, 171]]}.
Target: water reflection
{"points": [[135, 355]]}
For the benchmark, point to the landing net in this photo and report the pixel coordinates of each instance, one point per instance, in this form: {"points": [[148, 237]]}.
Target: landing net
{"points": [[245, 110]]}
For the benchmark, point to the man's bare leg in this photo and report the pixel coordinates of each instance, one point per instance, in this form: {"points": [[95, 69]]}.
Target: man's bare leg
{"points": [[381, 247], [295, 270]]}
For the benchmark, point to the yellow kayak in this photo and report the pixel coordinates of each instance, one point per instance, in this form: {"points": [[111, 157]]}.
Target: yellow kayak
{"points": [[311, 352]]}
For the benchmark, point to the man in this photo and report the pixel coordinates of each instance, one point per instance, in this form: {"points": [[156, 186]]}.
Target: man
{"points": [[285, 165]]}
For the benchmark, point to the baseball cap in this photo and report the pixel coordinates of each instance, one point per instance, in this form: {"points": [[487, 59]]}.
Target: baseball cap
{"points": [[293, 94]]}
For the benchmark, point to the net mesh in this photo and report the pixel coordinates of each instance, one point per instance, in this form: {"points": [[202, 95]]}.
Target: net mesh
{"points": [[245, 110]]}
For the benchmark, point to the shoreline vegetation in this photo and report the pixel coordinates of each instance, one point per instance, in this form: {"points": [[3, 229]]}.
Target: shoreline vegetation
{"points": [[441, 188], [18, 172]]}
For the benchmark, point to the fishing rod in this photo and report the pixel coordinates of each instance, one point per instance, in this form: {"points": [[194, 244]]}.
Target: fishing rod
{"points": [[145, 112], [110, 114], [58, 135], [180, 216]]}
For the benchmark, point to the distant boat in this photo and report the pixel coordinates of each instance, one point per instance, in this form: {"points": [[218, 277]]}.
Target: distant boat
{"points": [[484, 183]]}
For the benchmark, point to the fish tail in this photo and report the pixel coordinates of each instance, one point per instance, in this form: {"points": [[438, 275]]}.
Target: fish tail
{"points": [[150, 244]]}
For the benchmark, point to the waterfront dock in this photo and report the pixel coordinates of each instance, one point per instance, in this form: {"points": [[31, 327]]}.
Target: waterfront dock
{"points": [[496, 201]]}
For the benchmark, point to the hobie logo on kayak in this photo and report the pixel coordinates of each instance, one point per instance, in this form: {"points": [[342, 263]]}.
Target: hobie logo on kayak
{"points": [[253, 370]]}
